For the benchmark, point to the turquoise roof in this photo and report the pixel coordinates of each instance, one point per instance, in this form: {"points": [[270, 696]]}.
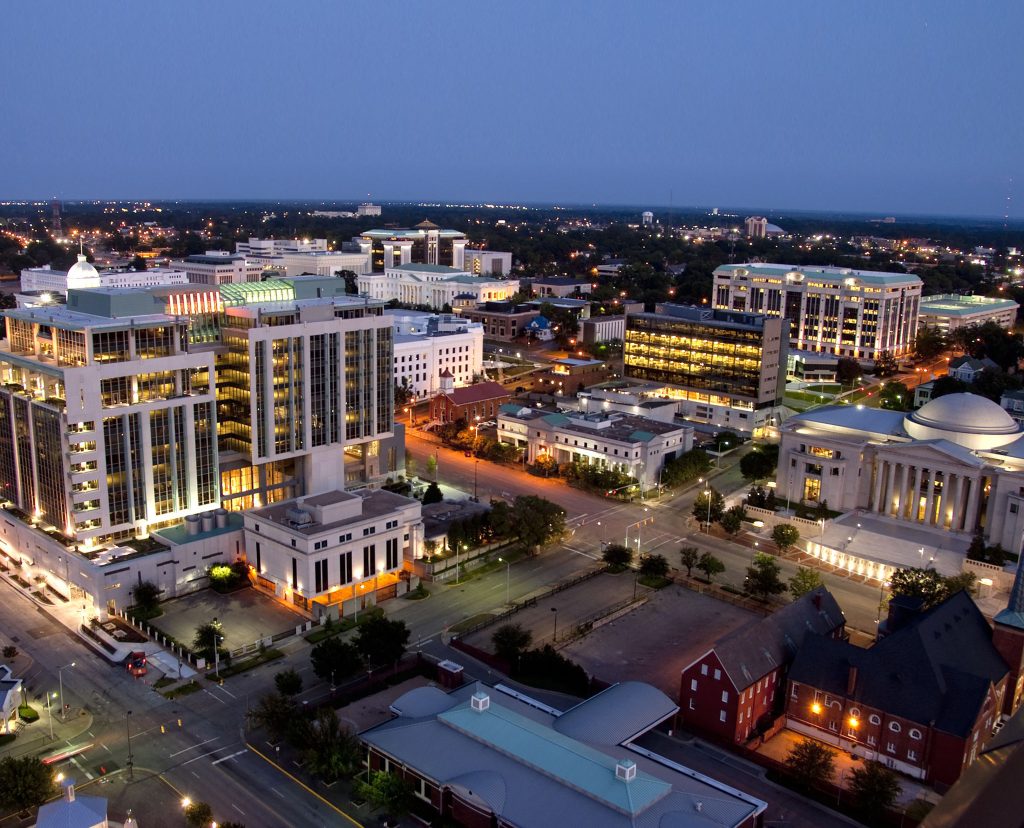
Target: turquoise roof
{"points": [[644, 436], [561, 757], [952, 304]]}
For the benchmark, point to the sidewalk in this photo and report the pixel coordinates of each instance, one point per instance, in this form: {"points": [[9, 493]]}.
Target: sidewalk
{"points": [[33, 739]]}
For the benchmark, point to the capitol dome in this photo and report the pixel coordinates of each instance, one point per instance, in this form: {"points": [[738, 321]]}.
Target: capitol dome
{"points": [[83, 275], [968, 420]]}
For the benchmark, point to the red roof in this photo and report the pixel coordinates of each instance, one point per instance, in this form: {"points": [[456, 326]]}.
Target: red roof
{"points": [[477, 393]]}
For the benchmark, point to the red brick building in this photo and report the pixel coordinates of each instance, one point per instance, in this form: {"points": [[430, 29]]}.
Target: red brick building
{"points": [[738, 683], [923, 700], [472, 403]]}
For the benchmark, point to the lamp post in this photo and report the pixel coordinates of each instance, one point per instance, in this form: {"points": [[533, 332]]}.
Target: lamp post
{"points": [[49, 712], [476, 463], [707, 493], [60, 681], [128, 730], [554, 634], [508, 576]]}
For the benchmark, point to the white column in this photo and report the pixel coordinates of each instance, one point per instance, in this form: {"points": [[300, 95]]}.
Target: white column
{"points": [[952, 499], [876, 488], [915, 495], [929, 500], [890, 489], [904, 480], [971, 518]]}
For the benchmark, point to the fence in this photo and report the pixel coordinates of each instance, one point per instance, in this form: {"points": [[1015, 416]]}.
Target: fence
{"points": [[719, 592]]}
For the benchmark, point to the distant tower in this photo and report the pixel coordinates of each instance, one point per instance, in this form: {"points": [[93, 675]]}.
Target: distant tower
{"points": [[1008, 639], [56, 225], [647, 218], [756, 227]]}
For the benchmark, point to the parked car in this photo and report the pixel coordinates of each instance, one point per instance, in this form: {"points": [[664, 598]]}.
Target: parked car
{"points": [[136, 664]]}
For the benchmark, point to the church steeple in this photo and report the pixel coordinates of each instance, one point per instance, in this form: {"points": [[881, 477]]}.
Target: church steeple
{"points": [[1008, 639], [1013, 615]]}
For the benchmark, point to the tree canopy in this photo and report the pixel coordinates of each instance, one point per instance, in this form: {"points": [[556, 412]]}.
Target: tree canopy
{"points": [[763, 577], [928, 585], [335, 659], [811, 763], [381, 641]]}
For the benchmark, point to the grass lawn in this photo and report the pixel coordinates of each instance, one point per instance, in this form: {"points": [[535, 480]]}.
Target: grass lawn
{"points": [[824, 387], [184, 690], [242, 665]]}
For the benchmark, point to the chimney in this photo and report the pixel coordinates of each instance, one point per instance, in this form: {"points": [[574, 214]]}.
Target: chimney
{"points": [[816, 600], [851, 680], [69, 790], [902, 610]]}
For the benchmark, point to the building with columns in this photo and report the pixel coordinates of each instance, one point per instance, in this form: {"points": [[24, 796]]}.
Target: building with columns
{"points": [[426, 243], [956, 465]]}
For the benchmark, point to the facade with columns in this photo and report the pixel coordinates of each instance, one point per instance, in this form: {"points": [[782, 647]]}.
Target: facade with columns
{"points": [[955, 465]]}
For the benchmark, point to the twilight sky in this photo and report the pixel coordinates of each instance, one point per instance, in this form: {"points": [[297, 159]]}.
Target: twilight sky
{"points": [[883, 107]]}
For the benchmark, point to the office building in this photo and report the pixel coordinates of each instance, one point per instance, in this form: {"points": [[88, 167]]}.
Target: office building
{"points": [[217, 267], [433, 286], [368, 209], [129, 412], [726, 368], [487, 262], [598, 329], [427, 344], [949, 311], [634, 446], [335, 552], [756, 227], [298, 257], [487, 757], [426, 243], [851, 313], [273, 247], [558, 286], [647, 218], [43, 284], [953, 467], [501, 320]]}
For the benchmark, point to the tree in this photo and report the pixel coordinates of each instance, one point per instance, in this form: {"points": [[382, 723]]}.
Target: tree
{"points": [[288, 682], [929, 343], [732, 520], [895, 396], [848, 370], [500, 519], [334, 659], [763, 579], [433, 494], [351, 280], [209, 635], [786, 536], [726, 439], [387, 791], [928, 585], [617, 556], [885, 364], [403, 393], [700, 505], [653, 566], [538, 520], [138, 263], [146, 595], [710, 566], [875, 789], [811, 763], [331, 749], [689, 556], [760, 463], [275, 714], [948, 385], [510, 641], [804, 581], [25, 782], [686, 467], [382, 641], [198, 814]]}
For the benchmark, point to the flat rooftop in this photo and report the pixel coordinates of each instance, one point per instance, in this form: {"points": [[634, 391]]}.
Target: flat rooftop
{"points": [[375, 504], [953, 304], [623, 428], [869, 277]]}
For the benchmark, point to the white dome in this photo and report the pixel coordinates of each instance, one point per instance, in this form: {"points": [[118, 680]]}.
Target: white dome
{"points": [[83, 275], [966, 419]]}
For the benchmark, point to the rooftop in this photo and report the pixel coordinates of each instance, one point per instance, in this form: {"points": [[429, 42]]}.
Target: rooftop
{"points": [[623, 428], [953, 304], [375, 503], [479, 392], [867, 277]]}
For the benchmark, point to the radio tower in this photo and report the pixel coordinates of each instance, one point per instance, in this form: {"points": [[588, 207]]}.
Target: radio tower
{"points": [[56, 225]]}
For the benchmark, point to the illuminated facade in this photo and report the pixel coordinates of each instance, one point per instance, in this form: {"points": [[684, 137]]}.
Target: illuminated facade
{"points": [[426, 243], [851, 313], [434, 286], [725, 368]]}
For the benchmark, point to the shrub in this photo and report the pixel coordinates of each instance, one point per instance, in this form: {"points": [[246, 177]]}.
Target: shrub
{"points": [[617, 556]]}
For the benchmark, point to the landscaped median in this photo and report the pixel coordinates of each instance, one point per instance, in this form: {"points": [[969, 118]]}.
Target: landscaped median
{"points": [[244, 664]]}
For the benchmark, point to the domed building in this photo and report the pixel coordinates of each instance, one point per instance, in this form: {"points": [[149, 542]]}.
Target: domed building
{"points": [[83, 275], [954, 466]]}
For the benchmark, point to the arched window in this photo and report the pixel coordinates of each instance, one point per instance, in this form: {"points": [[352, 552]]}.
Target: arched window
{"points": [[875, 719], [895, 727], [915, 733]]}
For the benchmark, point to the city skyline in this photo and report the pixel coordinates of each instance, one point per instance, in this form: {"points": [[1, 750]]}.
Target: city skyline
{"points": [[678, 105]]}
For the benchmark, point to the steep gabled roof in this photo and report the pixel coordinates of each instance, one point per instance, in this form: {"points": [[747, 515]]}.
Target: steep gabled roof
{"points": [[477, 393], [752, 652]]}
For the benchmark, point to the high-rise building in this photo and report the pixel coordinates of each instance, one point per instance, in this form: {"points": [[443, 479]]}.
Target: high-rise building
{"points": [[130, 411], [487, 262], [217, 267], [273, 247], [756, 227], [725, 368], [851, 313], [426, 243]]}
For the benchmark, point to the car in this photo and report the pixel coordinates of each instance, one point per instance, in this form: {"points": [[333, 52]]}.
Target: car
{"points": [[136, 664], [469, 454]]}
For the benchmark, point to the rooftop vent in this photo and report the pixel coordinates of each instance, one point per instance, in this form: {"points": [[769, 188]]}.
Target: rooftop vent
{"points": [[299, 517], [625, 769], [480, 701]]}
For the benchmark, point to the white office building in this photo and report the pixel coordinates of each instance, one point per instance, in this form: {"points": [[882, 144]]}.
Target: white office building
{"points": [[851, 313], [36, 282], [217, 267], [272, 247], [949, 311], [487, 262], [427, 344], [315, 263], [433, 286], [756, 227], [635, 446], [368, 209]]}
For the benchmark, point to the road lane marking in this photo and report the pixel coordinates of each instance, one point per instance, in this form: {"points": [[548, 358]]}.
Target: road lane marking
{"points": [[200, 744], [225, 690], [275, 790], [75, 762], [211, 695], [108, 750], [232, 756], [200, 756]]}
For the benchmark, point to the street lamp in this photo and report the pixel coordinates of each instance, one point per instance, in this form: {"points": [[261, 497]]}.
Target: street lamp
{"points": [[49, 713], [60, 681], [508, 576], [554, 634], [216, 647], [128, 729], [476, 463], [707, 493]]}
